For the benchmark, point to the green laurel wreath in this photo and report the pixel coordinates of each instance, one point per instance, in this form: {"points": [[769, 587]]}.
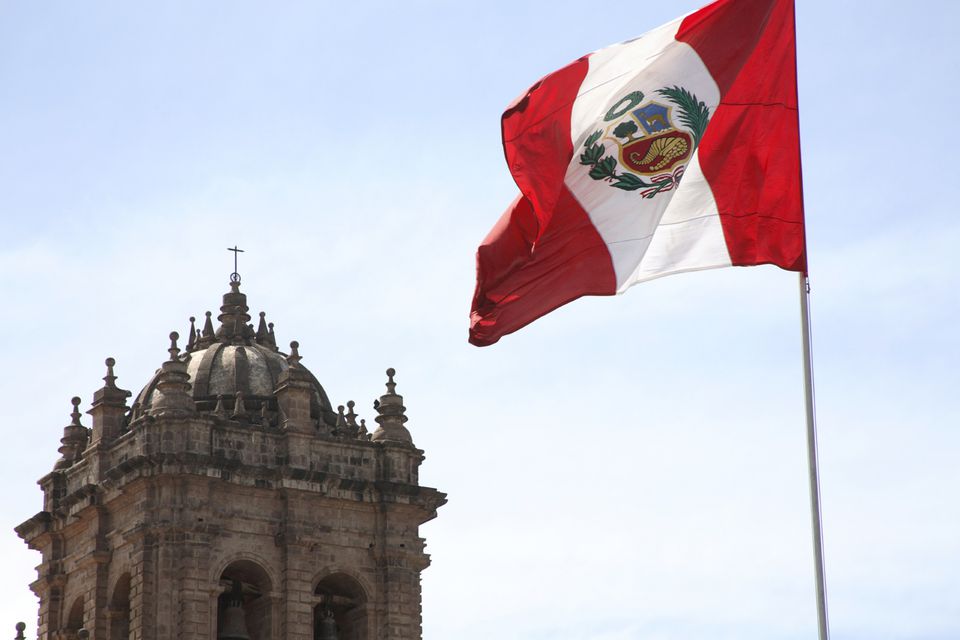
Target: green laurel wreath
{"points": [[693, 114]]}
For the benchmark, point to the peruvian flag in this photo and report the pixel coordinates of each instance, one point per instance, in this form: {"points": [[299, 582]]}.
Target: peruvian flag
{"points": [[676, 151]]}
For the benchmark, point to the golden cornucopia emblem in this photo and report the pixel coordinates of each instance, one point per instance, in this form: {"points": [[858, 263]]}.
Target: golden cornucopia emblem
{"points": [[666, 149]]}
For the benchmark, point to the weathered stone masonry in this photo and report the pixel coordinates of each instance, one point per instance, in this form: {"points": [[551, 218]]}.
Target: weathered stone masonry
{"points": [[231, 498]]}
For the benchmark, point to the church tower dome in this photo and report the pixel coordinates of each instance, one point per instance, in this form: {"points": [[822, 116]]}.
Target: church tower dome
{"points": [[236, 361], [231, 501]]}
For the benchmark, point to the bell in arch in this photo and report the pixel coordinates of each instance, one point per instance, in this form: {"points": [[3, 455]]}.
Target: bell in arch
{"points": [[233, 625], [327, 629]]}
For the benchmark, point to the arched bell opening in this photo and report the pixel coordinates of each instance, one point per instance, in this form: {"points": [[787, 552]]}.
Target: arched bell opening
{"points": [[118, 613], [74, 619], [341, 609], [244, 609]]}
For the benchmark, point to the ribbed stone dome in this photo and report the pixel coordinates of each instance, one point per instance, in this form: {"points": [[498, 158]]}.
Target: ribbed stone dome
{"points": [[236, 359]]}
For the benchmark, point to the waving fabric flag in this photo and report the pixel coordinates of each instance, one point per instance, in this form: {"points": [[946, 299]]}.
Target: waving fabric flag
{"points": [[676, 151]]}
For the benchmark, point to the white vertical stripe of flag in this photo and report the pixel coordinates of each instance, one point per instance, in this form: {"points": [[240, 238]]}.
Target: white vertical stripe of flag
{"points": [[675, 231]]}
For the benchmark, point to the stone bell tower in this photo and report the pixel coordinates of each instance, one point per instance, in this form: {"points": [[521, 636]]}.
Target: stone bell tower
{"points": [[230, 501]]}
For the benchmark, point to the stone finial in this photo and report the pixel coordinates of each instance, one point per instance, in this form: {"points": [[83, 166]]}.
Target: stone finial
{"points": [[207, 336], [74, 439], [362, 432], [109, 380], [391, 414], [20, 627], [352, 428], [110, 390], [264, 414], [234, 316], [208, 327], [192, 340], [293, 392], [263, 334], [173, 384], [174, 349], [239, 408], [294, 357], [220, 410], [341, 425], [273, 336], [109, 407], [75, 415]]}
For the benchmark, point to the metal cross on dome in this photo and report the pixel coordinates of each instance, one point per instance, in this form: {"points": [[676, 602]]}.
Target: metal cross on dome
{"points": [[235, 276]]}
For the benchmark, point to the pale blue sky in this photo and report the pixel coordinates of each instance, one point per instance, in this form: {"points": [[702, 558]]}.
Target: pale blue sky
{"points": [[625, 468]]}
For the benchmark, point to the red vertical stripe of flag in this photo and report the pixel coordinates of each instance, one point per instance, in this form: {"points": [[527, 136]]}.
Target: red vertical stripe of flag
{"points": [[544, 251], [750, 153]]}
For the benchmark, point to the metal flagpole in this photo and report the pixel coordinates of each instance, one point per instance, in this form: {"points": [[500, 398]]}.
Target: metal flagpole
{"points": [[823, 623]]}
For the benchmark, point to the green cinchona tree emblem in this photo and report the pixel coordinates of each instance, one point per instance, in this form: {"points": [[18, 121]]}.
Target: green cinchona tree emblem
{"points": [[626, 129]]}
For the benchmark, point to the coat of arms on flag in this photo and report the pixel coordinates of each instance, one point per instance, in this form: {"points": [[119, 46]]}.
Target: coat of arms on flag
{"points": [[650, 143]]}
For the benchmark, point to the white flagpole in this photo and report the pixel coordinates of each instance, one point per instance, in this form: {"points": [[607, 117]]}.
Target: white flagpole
{"points": [[823, 623]]}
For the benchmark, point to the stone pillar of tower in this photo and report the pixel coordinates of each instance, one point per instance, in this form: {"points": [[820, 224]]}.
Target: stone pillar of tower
{"points": [[232, 484]]}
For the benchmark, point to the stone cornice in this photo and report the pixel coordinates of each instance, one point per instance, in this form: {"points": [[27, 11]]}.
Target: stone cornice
{"points": [[32, 527]]}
